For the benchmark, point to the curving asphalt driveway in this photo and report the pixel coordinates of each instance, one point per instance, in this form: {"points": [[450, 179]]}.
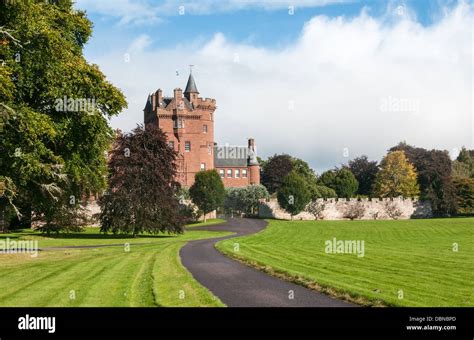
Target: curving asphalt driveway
{"points": [[238, 285]]}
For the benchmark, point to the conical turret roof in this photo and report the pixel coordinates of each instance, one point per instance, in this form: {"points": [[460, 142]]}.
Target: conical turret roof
{"points": [[191, 85]]}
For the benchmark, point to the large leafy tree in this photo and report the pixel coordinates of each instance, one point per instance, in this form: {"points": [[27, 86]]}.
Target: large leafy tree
{"points": [[464, 195], [293, 195], [51, 152], [463, 166], [245, 200], [342, 181], [365, 172], [274, 170], [142, 191], [397, 177], [208, 191], [322, 191], [277, 167], [434, 169]]}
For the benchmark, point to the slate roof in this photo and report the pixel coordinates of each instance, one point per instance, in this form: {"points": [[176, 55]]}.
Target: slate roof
{"points": [[167, 100], [230, 156], [191, 85]]}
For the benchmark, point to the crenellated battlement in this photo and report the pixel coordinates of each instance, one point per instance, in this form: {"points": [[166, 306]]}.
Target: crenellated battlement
{"points": [[369, 199], [207, 100], [339, 209]]}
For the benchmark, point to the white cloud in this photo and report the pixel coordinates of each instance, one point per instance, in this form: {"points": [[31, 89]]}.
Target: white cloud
{"points": [[149, 12], [345, 83], [200, 7], [140, 43], [126, 11]]}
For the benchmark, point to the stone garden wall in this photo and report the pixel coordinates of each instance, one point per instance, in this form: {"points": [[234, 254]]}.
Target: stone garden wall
{"points": [[336, 209]]}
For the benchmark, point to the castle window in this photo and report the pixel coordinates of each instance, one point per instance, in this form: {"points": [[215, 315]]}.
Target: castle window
{"points": [[204, 128], [171, 144], [237, 173], [229, 173], [187, 146], [203, 166], [221, 173], [244, 173], [209, 149]]}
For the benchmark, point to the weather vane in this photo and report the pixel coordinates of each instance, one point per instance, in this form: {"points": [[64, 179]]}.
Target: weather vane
{"points": [[191, 68]]}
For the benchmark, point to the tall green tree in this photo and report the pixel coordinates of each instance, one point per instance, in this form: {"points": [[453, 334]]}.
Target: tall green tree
{"points": [[397, 177], [464, 195], [463, 166], [293, 195], [277, 167], [208, 191], [434, 169], [142, 193], [54, 107], [322, 191], [342, 181]]}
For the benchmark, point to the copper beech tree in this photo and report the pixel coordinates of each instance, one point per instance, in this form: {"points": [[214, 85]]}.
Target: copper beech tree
{"points": [[142, 192]]}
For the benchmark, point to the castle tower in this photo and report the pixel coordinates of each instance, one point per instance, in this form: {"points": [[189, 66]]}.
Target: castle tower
{"points": [[188, 122]]}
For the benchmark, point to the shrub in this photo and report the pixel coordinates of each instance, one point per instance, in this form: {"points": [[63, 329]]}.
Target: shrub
{"points": [[392, 209], [189, 212], [245, 200], [322, 191], [316, 209], [354, 210]]}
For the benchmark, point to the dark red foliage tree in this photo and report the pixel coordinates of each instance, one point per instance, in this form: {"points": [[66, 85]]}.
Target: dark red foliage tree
{"points": [[142, 191], [275, 170], [365, 172]]}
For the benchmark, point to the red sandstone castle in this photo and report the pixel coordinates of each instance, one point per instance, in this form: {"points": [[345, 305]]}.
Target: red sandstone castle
{"points": [[188, 122]]}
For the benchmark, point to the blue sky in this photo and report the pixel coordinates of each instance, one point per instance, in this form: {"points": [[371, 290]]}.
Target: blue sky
{"points": [[272, 28], [335, 80]]}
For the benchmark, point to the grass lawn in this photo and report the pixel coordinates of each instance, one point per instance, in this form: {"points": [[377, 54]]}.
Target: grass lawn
{"points": [[412, 259], [149, 274], [208, 222]]}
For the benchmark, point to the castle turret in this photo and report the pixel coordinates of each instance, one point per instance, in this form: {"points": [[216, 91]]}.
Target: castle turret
{"points": [[191, 92], [252, 163]]}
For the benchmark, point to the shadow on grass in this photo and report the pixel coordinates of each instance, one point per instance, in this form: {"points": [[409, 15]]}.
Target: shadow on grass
{"points": [[86, 236]]}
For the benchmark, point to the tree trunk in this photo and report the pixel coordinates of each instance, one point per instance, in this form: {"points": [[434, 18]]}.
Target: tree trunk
{"points": [[3, 223]]}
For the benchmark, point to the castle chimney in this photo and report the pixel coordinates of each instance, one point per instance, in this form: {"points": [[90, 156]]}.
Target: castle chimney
{"points": [[251, 143], [178, 97], [153, 101], [159, 97]]}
